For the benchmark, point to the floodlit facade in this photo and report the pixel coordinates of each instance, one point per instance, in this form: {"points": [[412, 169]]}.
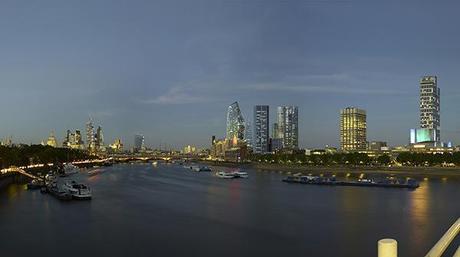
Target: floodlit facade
{"points": [[117, 145], [52, 140], [261, 128], [288, 126], [430, 105], [353, 129], [73, 140], [235, 122]]}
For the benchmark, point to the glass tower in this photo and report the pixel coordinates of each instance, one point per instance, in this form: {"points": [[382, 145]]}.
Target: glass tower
{"points": [[430, 105], [261, 128], [235, 122], [353, 129], [288, 126]]}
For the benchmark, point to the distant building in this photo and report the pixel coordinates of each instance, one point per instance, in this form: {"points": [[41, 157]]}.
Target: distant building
{"points": [[261, 128], [90, 140], [139, 144], [99, 140], [74, 140], [430, 105], [235, 122], [288, 126], [248, 136], [275, 130], [377, 146], [117, 146], [189, 149], [423, 136], [276, 144], [52, 140], [353, 129]]}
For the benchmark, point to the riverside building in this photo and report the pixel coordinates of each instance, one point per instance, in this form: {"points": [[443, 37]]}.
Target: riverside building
{"points": [[261, 128], [430, 106], [288, 126], [353, 129]]}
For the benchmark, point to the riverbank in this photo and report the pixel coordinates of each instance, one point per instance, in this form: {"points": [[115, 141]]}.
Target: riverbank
{"points": [[416, 172]]}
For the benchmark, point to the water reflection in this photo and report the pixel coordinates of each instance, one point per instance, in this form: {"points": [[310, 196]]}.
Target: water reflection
{"points": [[419, 206]]}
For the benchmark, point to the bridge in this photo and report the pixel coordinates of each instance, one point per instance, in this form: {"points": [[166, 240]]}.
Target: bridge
{"points": [[22, 172]]}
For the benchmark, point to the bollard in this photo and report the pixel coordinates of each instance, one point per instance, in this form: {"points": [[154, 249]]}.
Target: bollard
{"points": [[387, 248]]}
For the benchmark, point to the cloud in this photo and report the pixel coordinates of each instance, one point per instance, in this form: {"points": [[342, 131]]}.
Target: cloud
{"points": [[319, 89], [177, 95]]}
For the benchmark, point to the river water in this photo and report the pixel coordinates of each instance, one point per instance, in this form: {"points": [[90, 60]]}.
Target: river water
{"points": [[143, 210]]}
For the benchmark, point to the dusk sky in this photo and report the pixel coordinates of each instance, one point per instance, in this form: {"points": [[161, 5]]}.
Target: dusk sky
{"points": [[169, 69]]}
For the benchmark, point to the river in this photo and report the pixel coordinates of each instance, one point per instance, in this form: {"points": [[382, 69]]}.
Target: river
{"points": [[165, 210]]}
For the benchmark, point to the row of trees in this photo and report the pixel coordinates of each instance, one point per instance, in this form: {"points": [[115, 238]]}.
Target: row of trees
{"points": [[408, 159], [33, 154]]}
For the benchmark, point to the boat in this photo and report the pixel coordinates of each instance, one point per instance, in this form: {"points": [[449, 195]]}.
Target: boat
{"points": [[200, 168], [77, 190], [69, 169], [35, 184], [226, 175], [362, 182], [233, 174], [241, 174]]}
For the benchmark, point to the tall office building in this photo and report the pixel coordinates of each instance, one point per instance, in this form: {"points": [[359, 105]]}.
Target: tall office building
{"points": [[261, 128], [139, 143], [288, 126], [430, 105], [353, 129], [235, 122], [90, 135], [99, 139], [248, 137]]}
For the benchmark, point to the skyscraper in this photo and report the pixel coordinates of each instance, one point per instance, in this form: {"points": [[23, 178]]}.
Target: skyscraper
{"points": [[248, 137], [99, 139], [430, 105], [288, 126], [353, 129], [261, 128], [139, 143], [90, 135], [235, 122]]}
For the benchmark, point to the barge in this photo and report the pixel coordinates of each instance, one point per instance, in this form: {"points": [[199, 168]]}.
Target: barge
{"points": [[331, 181]]}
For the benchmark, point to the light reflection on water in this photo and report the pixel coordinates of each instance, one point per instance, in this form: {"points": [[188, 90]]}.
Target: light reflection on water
{"points": [[149, 208]]}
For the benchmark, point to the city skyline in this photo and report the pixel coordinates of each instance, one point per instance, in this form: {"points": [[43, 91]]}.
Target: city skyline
{"points": [[171, 73]]}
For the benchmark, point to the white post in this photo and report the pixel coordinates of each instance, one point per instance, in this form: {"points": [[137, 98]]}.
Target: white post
{"points": [[387, 248]]}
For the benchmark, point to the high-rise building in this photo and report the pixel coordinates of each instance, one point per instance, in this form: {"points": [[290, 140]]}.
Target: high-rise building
{"points": [[99, 140], [248, 137], [275, 130], [73, 140], [288, 126], [90, 140], [139, 143], [353, 129], [235, 122], [430, 105], [261, 128]]}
